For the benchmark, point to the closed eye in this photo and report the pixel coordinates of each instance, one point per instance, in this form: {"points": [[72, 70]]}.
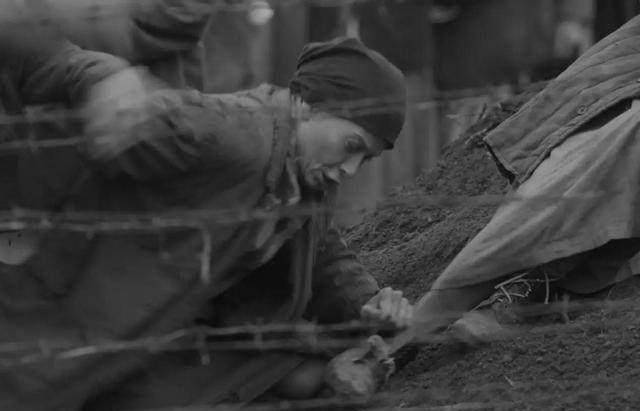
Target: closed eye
{"points": [[355, 145]]}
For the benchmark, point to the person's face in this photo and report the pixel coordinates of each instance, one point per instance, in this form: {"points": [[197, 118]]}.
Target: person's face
{"points": [[332, 148]]}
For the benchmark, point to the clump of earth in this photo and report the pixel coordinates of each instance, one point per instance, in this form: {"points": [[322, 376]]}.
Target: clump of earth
{"points": [[593, 362]]}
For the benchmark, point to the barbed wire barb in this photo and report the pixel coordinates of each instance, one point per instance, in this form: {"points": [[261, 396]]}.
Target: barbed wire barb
{"points": [[298, 337]]}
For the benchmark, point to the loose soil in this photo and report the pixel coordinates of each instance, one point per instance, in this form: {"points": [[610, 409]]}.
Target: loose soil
{"points": [[591, 363]]}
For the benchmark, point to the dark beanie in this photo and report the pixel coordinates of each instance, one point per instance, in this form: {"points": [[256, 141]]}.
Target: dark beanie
{"points": [[345, 78]]}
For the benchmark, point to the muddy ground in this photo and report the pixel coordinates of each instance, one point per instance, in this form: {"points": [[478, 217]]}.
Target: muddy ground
{"points": [[593, 362]]}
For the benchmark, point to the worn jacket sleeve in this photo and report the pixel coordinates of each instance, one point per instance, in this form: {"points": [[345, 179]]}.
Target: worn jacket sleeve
{"points": [[66, 75], [342, 285], [41, 66], [173, 132]]}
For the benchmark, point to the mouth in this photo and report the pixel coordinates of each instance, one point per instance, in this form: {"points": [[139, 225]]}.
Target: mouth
{"points": [[321, 180]]}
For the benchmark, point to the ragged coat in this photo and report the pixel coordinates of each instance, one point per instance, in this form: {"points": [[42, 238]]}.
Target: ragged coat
{"points": [[574, 147], [607, 74], [223, 154]]}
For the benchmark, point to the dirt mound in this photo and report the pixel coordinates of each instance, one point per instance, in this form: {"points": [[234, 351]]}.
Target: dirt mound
{"points": [[406, 244], [591, 363]]}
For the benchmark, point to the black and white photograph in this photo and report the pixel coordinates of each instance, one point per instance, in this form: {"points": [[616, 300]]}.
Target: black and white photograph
{"points": [[355, 205]]}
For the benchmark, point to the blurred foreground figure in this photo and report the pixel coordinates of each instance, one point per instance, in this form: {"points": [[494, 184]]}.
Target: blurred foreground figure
{"points": [[149, 149], [576, 139], [163, 35], [201, 44]]}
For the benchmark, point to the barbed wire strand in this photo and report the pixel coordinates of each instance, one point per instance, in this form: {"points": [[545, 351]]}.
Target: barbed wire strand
{"points": [[374, 403], [61, 115], [333, 403], [93, 11], [115, 221], [327, 404], [307, 337], [105, 221], [356, 107], [383, 400]]}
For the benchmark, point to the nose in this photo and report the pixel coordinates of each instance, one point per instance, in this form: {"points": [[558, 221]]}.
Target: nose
{"points": [[351, 166], [334, 174]]}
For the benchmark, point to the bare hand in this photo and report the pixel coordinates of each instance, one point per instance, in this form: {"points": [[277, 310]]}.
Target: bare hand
{"points": [[389, 306]]}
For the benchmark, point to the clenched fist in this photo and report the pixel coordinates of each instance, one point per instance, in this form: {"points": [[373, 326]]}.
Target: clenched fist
{"points": [[389, 306]]}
